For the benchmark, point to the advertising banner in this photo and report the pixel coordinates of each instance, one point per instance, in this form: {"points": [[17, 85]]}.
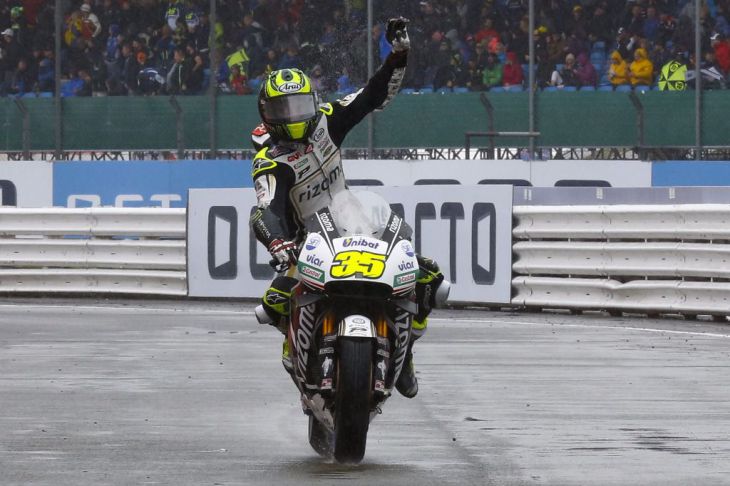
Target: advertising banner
{"points": [[542, 173], [26, 184], [468, 232], [690, 173], [142, 183], [165, 183]]}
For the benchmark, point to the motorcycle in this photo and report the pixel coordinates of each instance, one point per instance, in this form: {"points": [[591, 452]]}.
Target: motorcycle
{"points": [[350, 319]]}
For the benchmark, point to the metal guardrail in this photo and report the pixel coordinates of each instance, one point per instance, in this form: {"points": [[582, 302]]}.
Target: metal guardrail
{"points": [[105, 250], [653, 258], [140, 222]]}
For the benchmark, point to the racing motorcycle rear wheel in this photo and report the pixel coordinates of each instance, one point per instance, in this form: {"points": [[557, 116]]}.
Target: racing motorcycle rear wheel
{"points": [[352, 399]]}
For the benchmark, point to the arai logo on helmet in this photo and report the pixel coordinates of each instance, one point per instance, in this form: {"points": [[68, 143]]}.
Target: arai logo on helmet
{"points": [[289, 87]]}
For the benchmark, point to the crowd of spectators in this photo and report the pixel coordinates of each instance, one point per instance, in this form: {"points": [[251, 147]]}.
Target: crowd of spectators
{"points": [[145, 47]]}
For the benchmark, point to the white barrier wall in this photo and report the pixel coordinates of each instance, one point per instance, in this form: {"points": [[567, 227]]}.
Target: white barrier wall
{"points": [[655, 258], [26, 184], [82, 250]]}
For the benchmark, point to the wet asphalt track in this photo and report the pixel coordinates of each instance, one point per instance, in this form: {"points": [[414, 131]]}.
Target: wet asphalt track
{"points": [[153, 392]]}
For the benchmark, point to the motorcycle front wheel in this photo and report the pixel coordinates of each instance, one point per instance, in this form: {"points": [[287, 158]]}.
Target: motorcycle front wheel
{"points": [[352, 399]]}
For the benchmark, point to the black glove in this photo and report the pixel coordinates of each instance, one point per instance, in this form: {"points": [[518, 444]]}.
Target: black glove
{"points": [[397, 35], [284, 253]]}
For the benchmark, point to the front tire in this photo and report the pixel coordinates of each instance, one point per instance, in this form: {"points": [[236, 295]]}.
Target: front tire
{"points": [[352, 399]]}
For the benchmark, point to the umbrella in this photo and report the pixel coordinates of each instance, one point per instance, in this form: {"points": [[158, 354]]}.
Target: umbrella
{"points": [[673, 77]]}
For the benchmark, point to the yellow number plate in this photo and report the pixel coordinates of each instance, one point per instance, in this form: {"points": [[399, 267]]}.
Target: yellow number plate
{"points": [[353, 262]]}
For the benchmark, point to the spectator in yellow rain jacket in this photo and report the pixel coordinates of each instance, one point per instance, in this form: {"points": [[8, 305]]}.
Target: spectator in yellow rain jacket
{"points": [[618, 71], [642, 69]]}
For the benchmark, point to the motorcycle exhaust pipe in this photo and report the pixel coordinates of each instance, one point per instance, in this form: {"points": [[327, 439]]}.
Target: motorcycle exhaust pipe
{"points": [[442, 293]]}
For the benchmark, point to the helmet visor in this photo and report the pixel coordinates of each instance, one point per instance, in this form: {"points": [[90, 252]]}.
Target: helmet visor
{"points": [[289, 109]]}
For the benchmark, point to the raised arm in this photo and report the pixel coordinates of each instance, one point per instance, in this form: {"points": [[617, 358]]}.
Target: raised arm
{"points": [[379, 90]]}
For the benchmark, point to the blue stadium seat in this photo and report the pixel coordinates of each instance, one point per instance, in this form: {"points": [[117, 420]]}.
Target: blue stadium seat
{"points": [[407, 91], [427, 89], [29, 95], [206, 80], [598, 67], [605, 87], [550, 89], [255, 84], [559, 67], [45, 94], [570, 88], [623, 88], [497, 89], [526, 71], [598, 57], [461, 89], [642, 88], [599, 46], [587, 88], [515, 88], [444, 90]]}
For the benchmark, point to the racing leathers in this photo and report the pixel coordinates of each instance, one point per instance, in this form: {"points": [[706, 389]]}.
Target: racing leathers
{"points": [[293, 180]]}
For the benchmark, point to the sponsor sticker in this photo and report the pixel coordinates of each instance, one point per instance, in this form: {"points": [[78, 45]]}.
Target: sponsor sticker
{"points": [[317, 262], [311, 272], [348, 242], [312, 243], [409, 250], [404, 278], [325, 220]]}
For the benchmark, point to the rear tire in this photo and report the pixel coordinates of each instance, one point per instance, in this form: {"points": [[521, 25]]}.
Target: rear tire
{"points": [[352, 399], [320, 438]]}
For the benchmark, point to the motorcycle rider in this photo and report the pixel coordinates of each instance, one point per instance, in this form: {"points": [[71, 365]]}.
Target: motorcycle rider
{"points": [[298, 169]]}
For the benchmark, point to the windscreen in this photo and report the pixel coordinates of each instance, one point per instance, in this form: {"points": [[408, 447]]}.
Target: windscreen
{"points": [[360, 213]]}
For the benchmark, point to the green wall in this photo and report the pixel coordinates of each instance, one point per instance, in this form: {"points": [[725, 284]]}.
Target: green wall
{"points": [[566, 119]]}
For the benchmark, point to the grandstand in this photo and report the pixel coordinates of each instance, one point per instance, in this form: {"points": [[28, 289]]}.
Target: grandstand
{"points": [[122, 69]]}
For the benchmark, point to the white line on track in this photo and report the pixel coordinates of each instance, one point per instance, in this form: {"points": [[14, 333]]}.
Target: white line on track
{"points": [[466, 320], [127, 308], [580, 326]]}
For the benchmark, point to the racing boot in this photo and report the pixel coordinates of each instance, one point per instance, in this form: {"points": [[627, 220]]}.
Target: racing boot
{"points": [[431, 291], [274, 308], [286, 358], [407, 384]]}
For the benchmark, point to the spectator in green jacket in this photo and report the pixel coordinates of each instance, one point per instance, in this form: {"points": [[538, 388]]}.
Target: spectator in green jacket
{"points": [[492, 74]]}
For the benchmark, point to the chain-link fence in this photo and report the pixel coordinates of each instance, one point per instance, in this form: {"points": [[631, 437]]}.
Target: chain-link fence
{"points": [[102, 75]]}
